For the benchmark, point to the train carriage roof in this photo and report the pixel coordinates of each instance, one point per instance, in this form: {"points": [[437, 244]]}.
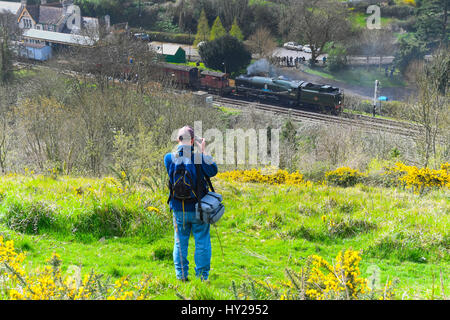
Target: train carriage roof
{"points": [[178, 67], [213, 73]]}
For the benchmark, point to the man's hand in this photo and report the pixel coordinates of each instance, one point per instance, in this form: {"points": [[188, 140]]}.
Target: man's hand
{"points": [[201, 145]]}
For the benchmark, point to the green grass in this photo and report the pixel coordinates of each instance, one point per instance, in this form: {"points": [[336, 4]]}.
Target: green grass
{"points": [[360, 76], [359, 20], [265, 229], [230, 111], [356, 112], [194, 64]]}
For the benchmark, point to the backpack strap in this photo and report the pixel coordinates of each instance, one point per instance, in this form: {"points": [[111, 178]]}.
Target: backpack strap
{"points": [[170, 192], [208, 181], [198, 169]]}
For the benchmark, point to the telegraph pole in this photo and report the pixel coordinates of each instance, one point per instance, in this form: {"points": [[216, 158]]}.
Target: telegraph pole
{"points": [[377, 83]]}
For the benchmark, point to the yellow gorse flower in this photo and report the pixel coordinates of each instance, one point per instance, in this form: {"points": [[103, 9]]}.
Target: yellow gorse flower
{"points": [[327, 281], [50, 284], [271, 176], [418, 179]]}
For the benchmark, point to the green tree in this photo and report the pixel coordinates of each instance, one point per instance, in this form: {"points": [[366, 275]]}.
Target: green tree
{"points": [[227, 54], [203, 31], [217, 30], [409, 49], [315, 22], [8, 30], [337, 57], [432, 22], [236, 31]]}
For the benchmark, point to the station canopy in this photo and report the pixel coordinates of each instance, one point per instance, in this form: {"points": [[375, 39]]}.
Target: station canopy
{"points": [[59, 37]]}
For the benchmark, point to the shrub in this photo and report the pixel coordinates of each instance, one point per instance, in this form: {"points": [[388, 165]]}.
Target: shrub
{"points": [[270, 176], [29, 217], [409, 246], [418, 179], [226, 53], [344, 177], [408, 25], [306, 233], [397, 11], [337, 57], [346, 227], [163, 252], [50, 283], [108, 218], [319, 280]]}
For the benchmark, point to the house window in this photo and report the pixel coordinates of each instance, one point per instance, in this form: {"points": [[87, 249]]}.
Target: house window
{"points": [[27, 24]]}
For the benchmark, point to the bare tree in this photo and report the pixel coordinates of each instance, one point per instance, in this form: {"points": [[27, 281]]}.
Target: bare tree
{"points": [[231, 9], [314, 22], [8, 99], [431, 107], [262, 43], [376, 43], [114, 56]]}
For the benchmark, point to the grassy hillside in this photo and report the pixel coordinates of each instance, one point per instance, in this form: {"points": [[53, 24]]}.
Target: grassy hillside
{"points": [[96, 225]]}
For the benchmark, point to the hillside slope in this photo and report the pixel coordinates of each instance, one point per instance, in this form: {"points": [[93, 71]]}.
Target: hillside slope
{"points": [[96, 225]]}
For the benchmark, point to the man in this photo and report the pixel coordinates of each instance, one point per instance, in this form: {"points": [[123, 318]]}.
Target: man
{"points": [[184, 215]]}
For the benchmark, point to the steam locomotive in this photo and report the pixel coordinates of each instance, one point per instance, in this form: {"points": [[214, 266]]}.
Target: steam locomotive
{"points": [[292, 93]]}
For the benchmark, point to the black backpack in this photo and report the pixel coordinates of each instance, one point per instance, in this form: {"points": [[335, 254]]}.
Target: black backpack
{"points": [[183, 188]]}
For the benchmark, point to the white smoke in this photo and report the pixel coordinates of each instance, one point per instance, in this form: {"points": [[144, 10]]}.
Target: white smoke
{"points": [[262, 66]]}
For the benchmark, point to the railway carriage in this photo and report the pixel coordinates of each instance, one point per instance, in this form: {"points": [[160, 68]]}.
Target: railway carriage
{"points": [[183, 76], [216, 82]]}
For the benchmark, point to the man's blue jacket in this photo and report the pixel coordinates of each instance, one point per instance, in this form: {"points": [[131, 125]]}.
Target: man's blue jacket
{"points": [[208, 165]]}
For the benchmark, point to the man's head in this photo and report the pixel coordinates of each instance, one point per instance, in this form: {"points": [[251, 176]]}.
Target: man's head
{"points": [[186, 135]]}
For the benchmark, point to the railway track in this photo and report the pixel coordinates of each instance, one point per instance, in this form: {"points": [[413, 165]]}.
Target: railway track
{"points": [[358, 121]]}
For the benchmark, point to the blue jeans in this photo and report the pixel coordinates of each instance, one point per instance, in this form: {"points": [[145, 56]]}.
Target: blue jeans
{"points": [[202, 256]]}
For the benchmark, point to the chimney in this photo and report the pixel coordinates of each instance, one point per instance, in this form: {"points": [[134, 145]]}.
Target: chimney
{"points": [[43, 2]]}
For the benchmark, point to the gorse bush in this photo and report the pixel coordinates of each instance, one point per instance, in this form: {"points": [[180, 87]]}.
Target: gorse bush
{"points": [[268, 175], [418, 179], [318, 280], [339, 281], [49, 283]]}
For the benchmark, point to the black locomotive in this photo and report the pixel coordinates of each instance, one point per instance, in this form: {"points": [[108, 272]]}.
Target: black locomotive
{"points": [[293, 93]]}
